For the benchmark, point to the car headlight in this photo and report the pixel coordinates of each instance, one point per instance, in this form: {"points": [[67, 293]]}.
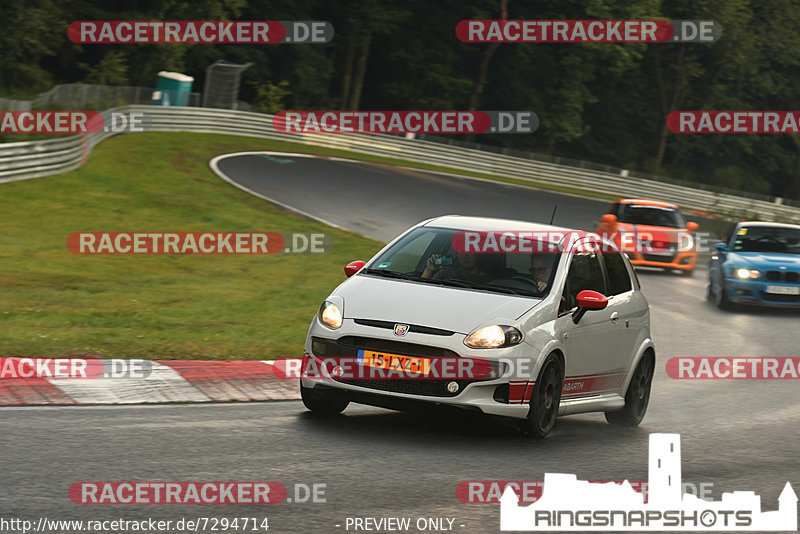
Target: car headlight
{"points": [[330, 315], [493, 337], [744, 274]]}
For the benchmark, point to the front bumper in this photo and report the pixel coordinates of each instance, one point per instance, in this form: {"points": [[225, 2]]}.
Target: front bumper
{"points": [[754, 292], [501, 396], [682, 261]]}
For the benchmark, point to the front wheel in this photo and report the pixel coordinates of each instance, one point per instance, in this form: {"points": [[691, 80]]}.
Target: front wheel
{"points": [[638, 395], [721, 298], [546, 399], [323, 402]]}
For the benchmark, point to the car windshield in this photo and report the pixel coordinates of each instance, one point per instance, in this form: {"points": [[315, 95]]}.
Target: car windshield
{"points": [[652, 216], [767, 239], [427, 255]]}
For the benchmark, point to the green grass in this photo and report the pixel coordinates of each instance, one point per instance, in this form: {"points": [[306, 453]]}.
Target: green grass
{"points": [[55, 303]]}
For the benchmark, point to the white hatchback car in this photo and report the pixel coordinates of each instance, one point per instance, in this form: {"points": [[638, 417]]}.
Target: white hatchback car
{"points": [[557, 331]]}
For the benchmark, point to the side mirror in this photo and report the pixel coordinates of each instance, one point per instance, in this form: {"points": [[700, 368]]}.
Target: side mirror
{"points": [[609, 221], [353, 267], [588, 300], [692, 226], [722, 247]]}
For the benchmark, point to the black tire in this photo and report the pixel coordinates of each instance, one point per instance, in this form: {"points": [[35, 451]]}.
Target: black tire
{"points": [[721, 298], [638, 395], [323, 402], [545, 399], [688, 273], [709, 293]]}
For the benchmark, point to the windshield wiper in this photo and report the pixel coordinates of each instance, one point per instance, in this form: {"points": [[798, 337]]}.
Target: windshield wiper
{"points": [[475, 285], [388, 274]]}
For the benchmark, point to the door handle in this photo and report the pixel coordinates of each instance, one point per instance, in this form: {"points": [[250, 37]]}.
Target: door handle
{"points": [[614, 317]]}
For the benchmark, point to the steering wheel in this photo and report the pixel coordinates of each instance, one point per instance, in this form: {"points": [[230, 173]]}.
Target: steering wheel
{"points": [[525, 279]]}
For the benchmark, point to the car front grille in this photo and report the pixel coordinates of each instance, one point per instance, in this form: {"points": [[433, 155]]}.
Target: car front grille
{"points": [[778, 276], [348, 346], [772, 297], [430, 388], [417, 329], [659, 258]]}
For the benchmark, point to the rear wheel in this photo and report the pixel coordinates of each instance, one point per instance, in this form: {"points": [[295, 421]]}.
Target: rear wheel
{"points": [[546, 399], [323, 402], [638, 395]]}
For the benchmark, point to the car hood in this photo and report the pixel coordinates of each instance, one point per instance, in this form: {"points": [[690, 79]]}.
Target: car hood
{"points": [[456, 309], [765, 260]]}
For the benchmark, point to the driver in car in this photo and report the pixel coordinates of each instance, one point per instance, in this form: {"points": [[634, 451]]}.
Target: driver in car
{"points": [[542, 268]]}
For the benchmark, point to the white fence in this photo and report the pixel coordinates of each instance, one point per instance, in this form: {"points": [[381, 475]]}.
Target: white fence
{"points": [[19, 161]]}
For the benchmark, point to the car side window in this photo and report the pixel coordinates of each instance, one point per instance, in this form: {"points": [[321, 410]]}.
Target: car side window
{"points": [[619, 281], [584, 273]]}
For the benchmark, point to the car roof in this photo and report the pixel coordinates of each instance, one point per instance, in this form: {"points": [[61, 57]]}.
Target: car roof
{"points": [[460, 222], [644, 202], [757, 224]]}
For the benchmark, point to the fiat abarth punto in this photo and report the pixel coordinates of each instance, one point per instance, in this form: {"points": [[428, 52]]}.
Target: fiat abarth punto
{"points": [[552, 328]]}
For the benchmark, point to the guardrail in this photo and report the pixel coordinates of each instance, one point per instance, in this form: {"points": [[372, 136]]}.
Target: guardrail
{"points": [[19, 161]]}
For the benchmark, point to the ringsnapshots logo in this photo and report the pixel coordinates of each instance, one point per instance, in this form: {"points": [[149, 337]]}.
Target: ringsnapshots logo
{"points": [[569, 504]]}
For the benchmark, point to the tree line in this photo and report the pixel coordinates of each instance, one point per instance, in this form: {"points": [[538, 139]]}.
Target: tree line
{"points": [[602, 102]]}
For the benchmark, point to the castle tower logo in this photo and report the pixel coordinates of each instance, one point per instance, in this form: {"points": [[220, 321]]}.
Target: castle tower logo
{"points": [[569, 504]]}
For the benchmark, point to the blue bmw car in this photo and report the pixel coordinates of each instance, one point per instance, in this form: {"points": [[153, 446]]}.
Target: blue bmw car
{"points": [[759, 264]]}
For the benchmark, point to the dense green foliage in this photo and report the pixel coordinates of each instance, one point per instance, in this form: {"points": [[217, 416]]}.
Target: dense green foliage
{"points": [[601, 102]]}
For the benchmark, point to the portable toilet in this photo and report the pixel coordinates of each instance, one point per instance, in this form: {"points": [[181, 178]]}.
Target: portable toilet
{"points": [[174, 87]]}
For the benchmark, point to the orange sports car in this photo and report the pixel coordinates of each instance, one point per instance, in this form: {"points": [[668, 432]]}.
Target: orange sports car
{"points": [[652, 233]]}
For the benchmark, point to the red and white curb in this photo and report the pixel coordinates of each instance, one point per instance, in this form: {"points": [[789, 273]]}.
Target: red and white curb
{"points": [[166, 381]]}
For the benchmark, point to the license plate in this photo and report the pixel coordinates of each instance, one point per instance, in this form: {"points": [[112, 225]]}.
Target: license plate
{"points": [[394, 362], [783, 290]]}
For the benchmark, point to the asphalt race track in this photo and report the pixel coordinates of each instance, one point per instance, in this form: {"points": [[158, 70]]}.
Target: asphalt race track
{"points": [[736, 434]]}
